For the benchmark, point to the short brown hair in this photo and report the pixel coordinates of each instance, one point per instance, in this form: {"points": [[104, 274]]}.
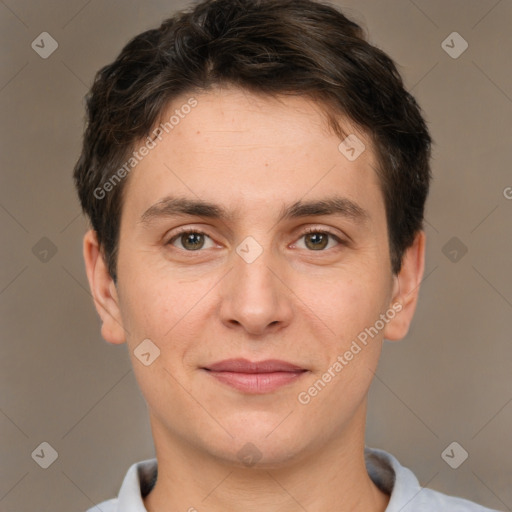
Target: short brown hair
{"points": [[298, 47]]}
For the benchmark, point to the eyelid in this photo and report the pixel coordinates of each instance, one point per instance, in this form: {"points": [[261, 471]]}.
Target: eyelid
{"points": [[320, 229], [184, 230]]}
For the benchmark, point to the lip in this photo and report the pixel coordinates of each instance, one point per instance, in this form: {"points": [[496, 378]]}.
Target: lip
{"points": [[255, 377], [241, 365]]}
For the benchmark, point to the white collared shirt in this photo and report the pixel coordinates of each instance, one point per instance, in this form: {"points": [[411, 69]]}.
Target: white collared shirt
{"points": [[386, 472]]}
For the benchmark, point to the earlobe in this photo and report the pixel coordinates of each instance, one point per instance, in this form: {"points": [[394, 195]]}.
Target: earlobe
{"points": [[103, 290], [406, 289]]}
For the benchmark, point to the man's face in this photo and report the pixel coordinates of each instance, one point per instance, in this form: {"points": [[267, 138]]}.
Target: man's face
{"points": [[254, 285]]}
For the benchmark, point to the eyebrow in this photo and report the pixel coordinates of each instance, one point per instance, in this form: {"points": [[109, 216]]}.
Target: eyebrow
{"points": [[181, 206]]}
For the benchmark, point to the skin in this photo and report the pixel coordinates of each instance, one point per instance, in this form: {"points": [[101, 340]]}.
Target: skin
{"points": [[253, 155]]}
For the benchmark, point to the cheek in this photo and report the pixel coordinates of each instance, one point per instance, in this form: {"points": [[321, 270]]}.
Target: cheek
{"points": [[169, 312], [161, 312], [150, 309], [349, 305], [351, 310]]}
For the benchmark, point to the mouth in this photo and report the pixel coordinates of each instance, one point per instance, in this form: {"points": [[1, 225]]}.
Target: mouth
{"points": [[255, 377]]}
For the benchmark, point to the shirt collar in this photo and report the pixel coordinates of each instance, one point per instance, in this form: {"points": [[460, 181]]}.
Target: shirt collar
{"points": [[384, 469], [391, 477], [137, 483]]}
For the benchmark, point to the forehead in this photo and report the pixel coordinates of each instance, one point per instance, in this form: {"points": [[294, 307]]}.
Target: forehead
{"points": [[249, 150]]}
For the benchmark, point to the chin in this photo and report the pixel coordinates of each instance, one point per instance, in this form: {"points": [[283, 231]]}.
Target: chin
{"points": [[261, 448]]}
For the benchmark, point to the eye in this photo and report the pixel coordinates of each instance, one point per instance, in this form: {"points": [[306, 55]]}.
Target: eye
{"points": [[318, 239], [194, 240], [190, 240]]}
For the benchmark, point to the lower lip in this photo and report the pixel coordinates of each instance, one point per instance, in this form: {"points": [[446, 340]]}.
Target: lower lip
{"points": [[257, 383]]}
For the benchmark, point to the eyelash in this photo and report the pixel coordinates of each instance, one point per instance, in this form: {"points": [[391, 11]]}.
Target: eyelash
{"points": [[304, 233]]}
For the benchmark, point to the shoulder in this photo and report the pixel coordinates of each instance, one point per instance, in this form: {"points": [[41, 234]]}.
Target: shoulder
{"points": [[138, 481], [406, 494], [429, 500]]}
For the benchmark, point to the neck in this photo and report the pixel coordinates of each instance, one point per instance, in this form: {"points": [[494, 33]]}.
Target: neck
{"points": [[331, 476]]}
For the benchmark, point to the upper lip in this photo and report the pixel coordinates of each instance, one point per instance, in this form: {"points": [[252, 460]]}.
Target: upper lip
{"points": [[245, 366]]}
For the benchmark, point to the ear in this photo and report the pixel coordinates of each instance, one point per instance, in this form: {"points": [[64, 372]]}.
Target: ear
{"points": [[406, 289], [103, 290]]}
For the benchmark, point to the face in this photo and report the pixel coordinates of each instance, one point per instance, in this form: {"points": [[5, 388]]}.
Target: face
{"points": [[288, 261]]}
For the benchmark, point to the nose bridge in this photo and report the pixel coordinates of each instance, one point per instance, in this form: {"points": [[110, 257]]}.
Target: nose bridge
{"points": [[254, 297], [252, 274]]}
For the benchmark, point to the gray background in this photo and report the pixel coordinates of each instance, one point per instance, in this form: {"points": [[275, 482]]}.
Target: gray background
{"points": [[449, 380]]}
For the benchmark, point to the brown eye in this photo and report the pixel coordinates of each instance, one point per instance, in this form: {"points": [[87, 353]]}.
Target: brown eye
{"points": [[190, 240], [316, 241]]}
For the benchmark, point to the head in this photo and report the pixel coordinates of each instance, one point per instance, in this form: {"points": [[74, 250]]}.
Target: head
{"points": [[250, 110]]}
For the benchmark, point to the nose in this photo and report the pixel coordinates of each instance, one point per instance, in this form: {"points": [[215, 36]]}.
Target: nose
{"points": [[254, 294]]}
